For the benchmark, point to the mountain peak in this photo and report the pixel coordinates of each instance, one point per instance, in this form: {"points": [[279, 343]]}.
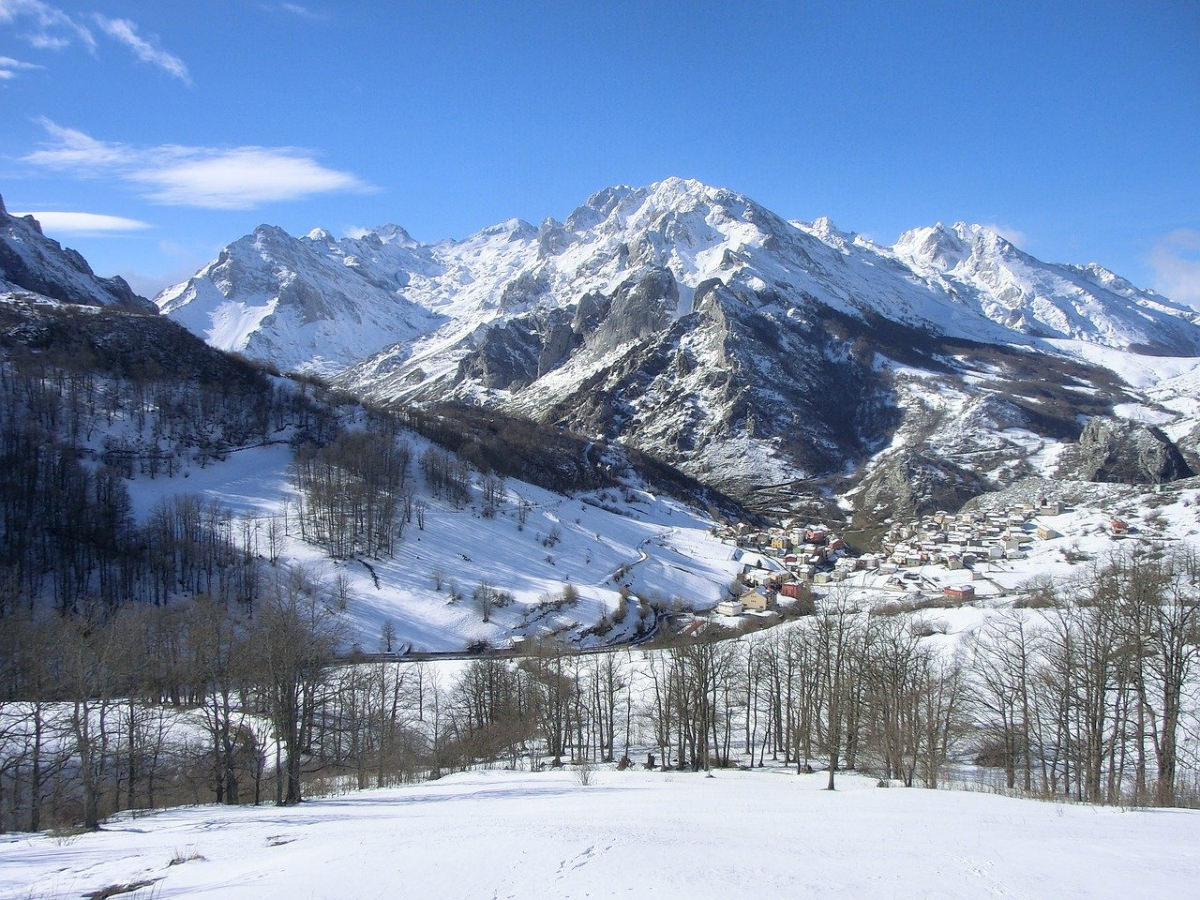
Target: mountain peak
{"points": [[946, 247], [394, 234], [675, 188], [984, 236], [938, 246], [670, 194], [510, 229], [271, 234], [681, 194], [824, 228]]}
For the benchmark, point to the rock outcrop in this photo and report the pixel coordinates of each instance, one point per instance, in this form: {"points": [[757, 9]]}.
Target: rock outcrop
{"points": [[1110, 450]]}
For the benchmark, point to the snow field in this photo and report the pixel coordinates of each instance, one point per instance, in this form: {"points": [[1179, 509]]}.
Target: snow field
{"points": [[637, 834]]}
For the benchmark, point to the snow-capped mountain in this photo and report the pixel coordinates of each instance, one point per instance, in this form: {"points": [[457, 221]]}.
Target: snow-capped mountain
{"points": [[31, 263], [692, 322], [310, 304], [1087, 303]]}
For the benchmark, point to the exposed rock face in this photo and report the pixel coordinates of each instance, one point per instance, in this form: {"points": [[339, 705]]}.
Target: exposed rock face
{"points": [[643, 304], [918, 482], [511, 353], [524, 290], [1125, 452]]}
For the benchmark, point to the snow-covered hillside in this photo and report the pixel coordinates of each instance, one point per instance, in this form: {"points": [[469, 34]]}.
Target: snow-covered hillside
{"points": [[514, 834], [297, 304], [1087, 303], [598, 546]]}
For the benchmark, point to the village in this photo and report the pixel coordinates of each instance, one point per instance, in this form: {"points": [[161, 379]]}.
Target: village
{"points": [[941, 559]]}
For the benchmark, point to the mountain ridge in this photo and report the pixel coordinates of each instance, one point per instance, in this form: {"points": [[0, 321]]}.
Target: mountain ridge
{"points": [[31, 262], [668, 219], [692, 322]]}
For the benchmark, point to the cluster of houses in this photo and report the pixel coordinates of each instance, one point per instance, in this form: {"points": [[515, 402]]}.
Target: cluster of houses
{"points": [[962, 540], [964, 543], [799, 555]]}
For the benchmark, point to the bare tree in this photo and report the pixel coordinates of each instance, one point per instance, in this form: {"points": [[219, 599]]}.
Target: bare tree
{"points": [[293, 638], [1004, 655], [387, 635], [220, 660], [840, 637], [485, 600], [1162, 629]]}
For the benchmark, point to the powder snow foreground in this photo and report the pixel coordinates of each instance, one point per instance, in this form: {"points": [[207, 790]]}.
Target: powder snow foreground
{"points": [[635, 834]]}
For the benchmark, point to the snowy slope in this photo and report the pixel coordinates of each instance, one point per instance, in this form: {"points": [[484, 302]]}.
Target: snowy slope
{"points": [[639, 834], [660, 548]]}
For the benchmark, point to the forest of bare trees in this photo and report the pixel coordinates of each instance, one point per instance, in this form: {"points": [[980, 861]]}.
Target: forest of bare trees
{"points": [[354, 491], [1094, 698], [71, 433], [1087, 693]]}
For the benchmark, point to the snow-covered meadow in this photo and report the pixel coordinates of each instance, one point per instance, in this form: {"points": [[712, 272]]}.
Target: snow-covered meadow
{"points": [[500, 833]]}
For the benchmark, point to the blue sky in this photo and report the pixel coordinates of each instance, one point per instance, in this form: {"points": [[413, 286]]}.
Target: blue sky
{"points": [[1073, 127]]}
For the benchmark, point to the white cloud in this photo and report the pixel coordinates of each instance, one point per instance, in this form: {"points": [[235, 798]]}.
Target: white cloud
{"points": [[125, 32], [1014, 236], [208, 177], [75, 150], [1175, 260], [47, 27], [242, 178], [303, 12], [83, 223], [9, 67]]}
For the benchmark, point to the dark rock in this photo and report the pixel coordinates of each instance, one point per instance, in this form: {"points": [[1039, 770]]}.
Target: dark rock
{"points": [[590, 312], [642, 305], [524, 290], [46, 267], [1110, 450], [515, 352], [916, 482], [552, 238]]}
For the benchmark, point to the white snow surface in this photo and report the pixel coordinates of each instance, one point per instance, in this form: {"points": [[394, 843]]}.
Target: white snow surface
{"points": [[638, 834]]}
